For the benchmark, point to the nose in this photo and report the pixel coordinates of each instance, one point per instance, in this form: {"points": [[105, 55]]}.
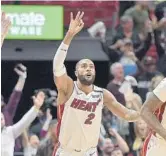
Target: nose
{"points": [[88, 68]]}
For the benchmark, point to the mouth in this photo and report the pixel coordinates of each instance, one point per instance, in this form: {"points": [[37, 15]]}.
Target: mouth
{"points": [[89, 75]]}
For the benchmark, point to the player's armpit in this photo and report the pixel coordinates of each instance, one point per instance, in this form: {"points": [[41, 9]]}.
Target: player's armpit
{"points": [[118, 109], [64, 84]]}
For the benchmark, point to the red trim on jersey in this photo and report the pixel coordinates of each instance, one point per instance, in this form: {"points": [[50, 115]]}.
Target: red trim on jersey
{"points": [[60, 110], [159, 114], [145, 146]]}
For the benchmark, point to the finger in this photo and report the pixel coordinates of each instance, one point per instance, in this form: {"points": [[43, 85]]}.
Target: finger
{"points": [[48, 111], [17, 71], [71, 16], [22, 67], [8, 22], [3, 16], [81, 25], [33, 98], [77, 16], [81, 16]]}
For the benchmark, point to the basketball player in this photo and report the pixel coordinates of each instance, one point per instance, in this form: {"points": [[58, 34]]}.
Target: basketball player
{"points": [[154, 113], [81, 102]]}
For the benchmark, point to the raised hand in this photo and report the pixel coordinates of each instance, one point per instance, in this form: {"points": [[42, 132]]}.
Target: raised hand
{"points": [[21, 70], [39, 99], [48, 114], [5, 25], [76, 24]]}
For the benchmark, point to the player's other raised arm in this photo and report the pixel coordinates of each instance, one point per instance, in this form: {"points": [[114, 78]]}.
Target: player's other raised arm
{"points": [[62, 80], [118, 109], [154, 101]]}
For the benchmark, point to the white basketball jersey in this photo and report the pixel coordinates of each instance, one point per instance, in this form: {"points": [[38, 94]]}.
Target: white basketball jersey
{"points": [[81, 119], [160, 92]]}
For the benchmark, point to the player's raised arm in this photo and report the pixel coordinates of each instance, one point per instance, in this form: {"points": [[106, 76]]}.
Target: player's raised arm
{"points": [[118, 109], [5, 25], [62, 80], [154, 101]]}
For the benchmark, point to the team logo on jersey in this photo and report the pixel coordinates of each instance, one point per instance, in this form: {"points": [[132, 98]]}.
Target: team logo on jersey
{"points": [[95, 96], [85, 106]]}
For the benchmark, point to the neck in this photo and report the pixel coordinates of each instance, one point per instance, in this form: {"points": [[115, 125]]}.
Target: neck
{"points": [[106, 154], [118, 80], [86, 89]]}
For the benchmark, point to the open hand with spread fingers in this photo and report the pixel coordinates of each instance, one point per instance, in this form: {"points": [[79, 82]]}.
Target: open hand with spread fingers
{"points": [[5, 25], [76, 24], [38, 100]]}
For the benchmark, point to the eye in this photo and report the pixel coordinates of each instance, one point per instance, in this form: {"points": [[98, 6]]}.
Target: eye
{"points": [[84, 65]]}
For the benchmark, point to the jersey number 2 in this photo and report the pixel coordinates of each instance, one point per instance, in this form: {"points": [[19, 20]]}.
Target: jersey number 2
{"points": [[88, 121]]}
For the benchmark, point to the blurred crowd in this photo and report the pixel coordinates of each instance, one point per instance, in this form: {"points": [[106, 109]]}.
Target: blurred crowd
{"points": [[137, 54]]}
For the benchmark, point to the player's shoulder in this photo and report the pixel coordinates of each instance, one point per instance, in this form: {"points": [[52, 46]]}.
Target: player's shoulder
{"points": [[98, 89], [160, 90], [162, 84]]}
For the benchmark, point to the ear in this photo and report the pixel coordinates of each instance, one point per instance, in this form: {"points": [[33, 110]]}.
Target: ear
{"points": [[76, 73]]}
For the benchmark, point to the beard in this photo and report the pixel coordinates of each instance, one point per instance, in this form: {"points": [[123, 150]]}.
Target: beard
{"points": [[86, 81]]}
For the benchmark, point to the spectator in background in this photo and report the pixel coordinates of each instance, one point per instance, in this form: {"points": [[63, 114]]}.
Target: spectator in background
{"points": [[159, 25], [49, 102], [113, 86], [123, 49], [10, 108], [10, 133], [109, 146], [139, 14], [144, 80], [30, 144], [124, 6], [117, 152], [141, 130], [125, 30], [47, 145], [45, 127], [133, 100]]}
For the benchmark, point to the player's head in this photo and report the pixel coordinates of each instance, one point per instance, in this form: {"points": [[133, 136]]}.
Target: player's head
{"points": [[117, 152], [2, 121], [85, 72], [34, 140]]}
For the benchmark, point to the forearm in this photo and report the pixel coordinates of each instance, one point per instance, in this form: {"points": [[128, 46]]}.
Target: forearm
{"points": [[153, 122], [43, 133], [132, 115], [25, 140], [122, 143], [13, 103], [45, 128], [20, 84], [27, 119], [60, 56]]}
